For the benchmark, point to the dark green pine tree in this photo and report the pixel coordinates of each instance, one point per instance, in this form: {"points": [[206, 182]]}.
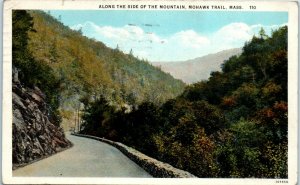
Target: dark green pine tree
{"points": [[31, 72], [22, 24]]}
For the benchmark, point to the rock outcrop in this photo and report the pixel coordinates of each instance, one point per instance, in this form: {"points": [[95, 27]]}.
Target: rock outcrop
{"points": [[34, 136]]}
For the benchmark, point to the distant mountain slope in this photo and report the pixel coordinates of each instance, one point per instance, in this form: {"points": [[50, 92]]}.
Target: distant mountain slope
{"points": [[197, 69], [89, 69]]}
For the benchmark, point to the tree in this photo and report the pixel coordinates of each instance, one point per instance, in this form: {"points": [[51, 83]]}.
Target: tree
{"points": [[53, 51], [262, 34], [22, 24], [32, 72], [238, 153], [208, 116], [117, 48], [131, 53], [94, 116]]}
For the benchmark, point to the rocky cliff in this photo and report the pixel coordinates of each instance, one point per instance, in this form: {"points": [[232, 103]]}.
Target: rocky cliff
{"points": [[34, 136]]}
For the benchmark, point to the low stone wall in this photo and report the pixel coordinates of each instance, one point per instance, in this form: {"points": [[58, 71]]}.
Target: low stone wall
{"points": [[152, 166]]}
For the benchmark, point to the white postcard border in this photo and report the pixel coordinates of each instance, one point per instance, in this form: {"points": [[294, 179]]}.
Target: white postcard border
{"points": [[289, 6]]}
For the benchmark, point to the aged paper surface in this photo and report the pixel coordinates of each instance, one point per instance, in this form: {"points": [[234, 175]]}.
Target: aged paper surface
{"points": [[286, 12]]}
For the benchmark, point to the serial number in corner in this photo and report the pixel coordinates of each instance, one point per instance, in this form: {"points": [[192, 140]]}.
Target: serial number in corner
{"points": [[282, 181]]}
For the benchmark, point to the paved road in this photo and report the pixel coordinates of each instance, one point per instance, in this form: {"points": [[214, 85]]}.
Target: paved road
{"points": [[87, 158]]}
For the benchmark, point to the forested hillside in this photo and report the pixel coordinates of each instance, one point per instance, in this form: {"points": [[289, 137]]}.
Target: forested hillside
{"points": [[35, 100], [87, 69], [232, 125]]}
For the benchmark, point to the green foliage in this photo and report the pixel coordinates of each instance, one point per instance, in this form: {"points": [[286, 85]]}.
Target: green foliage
{"points": [[233, 125], [195, 156], [31, 71], [246, 151], [88, 68], [238, 153], [95, 115]]}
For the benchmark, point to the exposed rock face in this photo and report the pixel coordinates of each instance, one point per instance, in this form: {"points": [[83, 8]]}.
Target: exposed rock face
{"points": [[34, 136]]}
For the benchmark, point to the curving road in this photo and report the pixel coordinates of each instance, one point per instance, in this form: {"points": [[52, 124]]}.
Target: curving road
{"points": [[87, 158]]}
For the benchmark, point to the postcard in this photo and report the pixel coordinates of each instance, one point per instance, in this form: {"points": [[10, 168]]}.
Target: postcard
{"points": [[150, 92]]}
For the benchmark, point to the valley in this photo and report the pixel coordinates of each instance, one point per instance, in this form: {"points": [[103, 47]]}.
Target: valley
{"points": [[223, 115]]}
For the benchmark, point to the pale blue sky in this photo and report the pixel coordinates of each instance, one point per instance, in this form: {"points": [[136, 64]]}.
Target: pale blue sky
{"points": [[156, 35]]}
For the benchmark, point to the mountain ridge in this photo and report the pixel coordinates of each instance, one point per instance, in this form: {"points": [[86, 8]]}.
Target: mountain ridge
{"points": [[197, 69]]}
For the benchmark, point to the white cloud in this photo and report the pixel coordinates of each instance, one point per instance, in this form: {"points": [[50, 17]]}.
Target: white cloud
{"points": [[182, 45], [189, 38], [233, 32]]}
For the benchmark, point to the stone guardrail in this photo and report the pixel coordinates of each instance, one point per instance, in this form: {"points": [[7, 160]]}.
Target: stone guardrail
{"points": [[152, 166]]}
